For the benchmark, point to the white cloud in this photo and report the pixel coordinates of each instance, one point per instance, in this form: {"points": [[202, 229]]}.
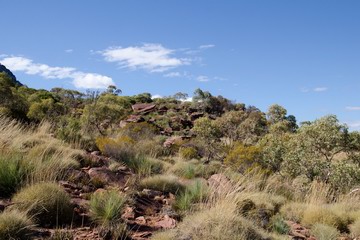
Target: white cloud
{"points": [[150, 57], [320, 89], [206, 46], [189, 99], [80, 79], [203, 78], [69, 50], [156, 96], [91, 80], [172, 74], [351, 108]]}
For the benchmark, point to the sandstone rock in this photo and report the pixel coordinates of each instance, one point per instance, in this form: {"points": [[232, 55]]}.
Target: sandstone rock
{"points": [[135, 119], [166, 223], [219, 183], [171, 141], [128, 213], [151, 193], [107, 176], [143, 107], [140, 220], [196, 115]]}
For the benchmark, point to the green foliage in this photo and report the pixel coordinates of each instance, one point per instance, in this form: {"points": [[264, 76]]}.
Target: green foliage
{"points": [[278, 225], [46, 109], [188, 153], [48, 203], [15, 225], [276, 113], [12, 173], [344, 175], [106, 207], [194, 193], [107, 110], [243, 158]]}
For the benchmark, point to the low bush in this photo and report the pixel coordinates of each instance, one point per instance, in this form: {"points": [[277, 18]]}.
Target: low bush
{"points": [[188, 153], [323, 214], [12, 173], [221, 222], [164, 183], [278, 225], [106, 207], [196, 192], [15, 225], [324, 232], [144, 166], [48, 203]]}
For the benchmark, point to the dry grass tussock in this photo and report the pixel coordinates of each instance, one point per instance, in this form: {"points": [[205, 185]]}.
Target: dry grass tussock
{"points": [[42, 157]]}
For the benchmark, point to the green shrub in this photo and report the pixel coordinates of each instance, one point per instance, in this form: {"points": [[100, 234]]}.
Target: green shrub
{"points": [[106, 207], [144, 166], [243, 158], [14, 225], [184, 169], [194, 193], [278, 225], [12, 173], [48, 203], [324, 232], [164, 183], [188, 153]]}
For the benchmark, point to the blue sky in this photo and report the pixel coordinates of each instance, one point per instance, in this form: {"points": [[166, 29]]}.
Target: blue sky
{"points": [[304, 55]]}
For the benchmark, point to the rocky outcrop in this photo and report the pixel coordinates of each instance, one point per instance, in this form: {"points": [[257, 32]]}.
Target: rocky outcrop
{"points": [[143, 107], [10, 74]]}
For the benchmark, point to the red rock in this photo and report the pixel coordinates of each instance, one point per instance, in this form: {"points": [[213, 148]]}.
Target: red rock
{"points": [[166, 223], [140, 220], [219, 183], [171, 141], [128, 213], [135, 119], [143, 107], [107, 176]]}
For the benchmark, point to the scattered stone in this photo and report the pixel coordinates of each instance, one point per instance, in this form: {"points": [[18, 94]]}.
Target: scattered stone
{"points": [[219, 183], [171, 141], [166, 223], [151, 193], [106, 176]]}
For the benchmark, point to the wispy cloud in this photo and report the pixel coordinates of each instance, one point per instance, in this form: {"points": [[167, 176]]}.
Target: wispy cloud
{"points": [[69, 50], [320, 89], [172, 74], [317, 89], [149, 57], [79, 79], [206, 46], [203, 78], [353, 108]]}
